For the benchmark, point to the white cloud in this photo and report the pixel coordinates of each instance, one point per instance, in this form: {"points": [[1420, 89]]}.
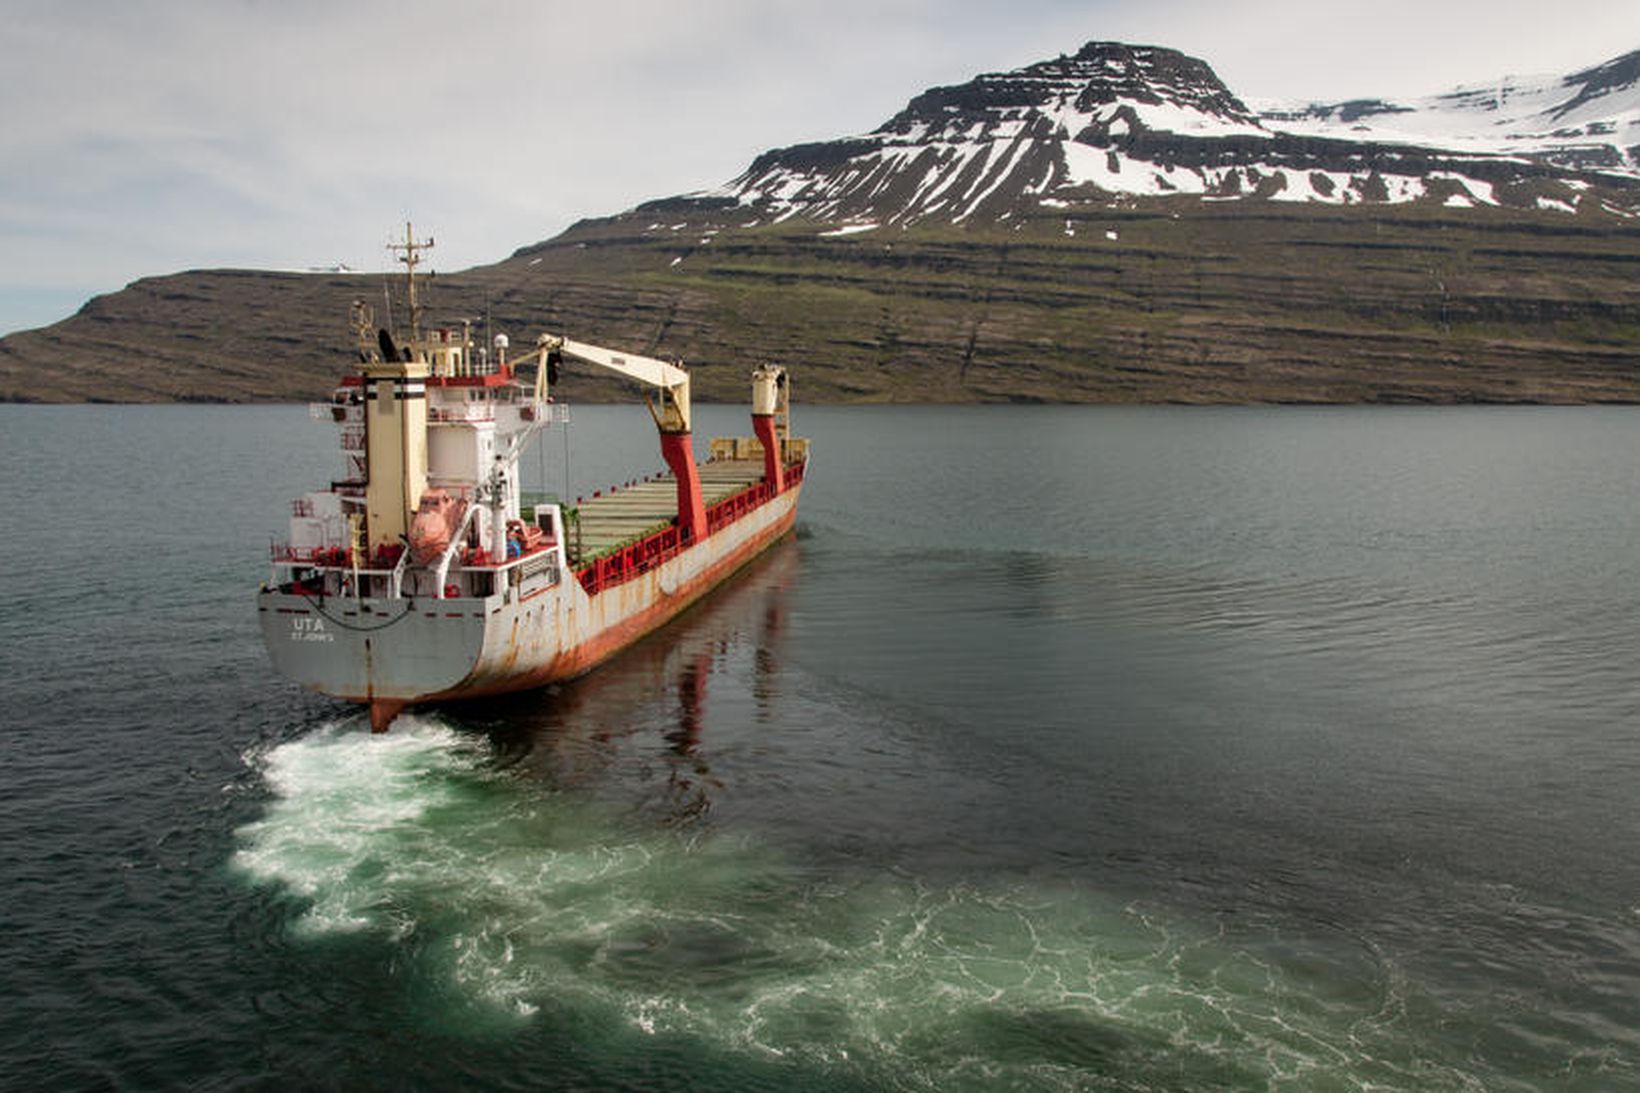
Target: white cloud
{"points": [[145, 138]]}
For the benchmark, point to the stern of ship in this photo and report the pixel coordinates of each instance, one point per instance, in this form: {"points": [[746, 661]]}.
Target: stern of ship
{"points": [[387, 653]]}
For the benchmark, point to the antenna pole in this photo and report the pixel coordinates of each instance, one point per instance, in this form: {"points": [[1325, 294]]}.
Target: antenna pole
{"points": [[409, 252]]}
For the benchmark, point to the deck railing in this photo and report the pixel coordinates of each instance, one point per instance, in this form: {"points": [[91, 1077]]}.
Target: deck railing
{"points": [[385, 559], [617, 567]]}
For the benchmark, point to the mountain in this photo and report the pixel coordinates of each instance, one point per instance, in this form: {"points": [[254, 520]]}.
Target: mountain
{"points": [[1145, 121], [1110, 226], [1589, 120]]}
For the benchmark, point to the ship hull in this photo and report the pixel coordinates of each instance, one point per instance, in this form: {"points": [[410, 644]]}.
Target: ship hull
{"points": [[395, 653]]}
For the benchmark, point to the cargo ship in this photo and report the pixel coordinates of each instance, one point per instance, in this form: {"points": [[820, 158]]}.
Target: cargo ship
{"points": [[426, 575]]}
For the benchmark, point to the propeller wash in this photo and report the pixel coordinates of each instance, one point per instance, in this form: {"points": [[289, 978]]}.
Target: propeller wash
{"points": [[425, 575]]}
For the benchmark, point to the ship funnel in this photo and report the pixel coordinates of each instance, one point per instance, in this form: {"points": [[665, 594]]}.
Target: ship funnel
{"points": [[395, 443]]}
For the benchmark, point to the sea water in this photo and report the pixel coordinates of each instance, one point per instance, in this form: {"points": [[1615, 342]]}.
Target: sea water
{"points": [[1060, 748]]}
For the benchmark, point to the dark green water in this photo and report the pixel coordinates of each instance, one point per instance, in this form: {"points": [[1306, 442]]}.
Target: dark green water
{"points": [[1143, 749]]}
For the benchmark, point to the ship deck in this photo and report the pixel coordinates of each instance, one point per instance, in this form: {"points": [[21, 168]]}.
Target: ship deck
{"points": [[622, 515]]}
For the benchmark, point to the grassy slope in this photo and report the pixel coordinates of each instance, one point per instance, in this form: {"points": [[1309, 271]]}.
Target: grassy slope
{"points": [[1190, 302]]}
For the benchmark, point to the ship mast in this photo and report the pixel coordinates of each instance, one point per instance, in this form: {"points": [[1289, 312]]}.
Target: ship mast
{"points": [[396, 420], [409, 252]]}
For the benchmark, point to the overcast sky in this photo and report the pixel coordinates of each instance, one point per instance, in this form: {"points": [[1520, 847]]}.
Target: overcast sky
{"points": [[149, 136]]}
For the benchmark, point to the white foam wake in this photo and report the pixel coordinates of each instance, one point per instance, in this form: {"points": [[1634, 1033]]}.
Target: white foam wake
{"points": [[522, 898], [347, 806]]}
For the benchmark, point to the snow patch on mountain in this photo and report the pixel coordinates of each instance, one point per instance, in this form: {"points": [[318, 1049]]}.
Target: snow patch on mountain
{"points": [[1116, 120], [849, 229], [1589, 120]]}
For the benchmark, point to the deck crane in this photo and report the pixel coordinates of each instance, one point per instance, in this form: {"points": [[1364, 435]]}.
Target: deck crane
{"points": [[672, 416]]}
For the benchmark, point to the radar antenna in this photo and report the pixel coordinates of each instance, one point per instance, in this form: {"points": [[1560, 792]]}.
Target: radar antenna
{"points": [[409, 252]]}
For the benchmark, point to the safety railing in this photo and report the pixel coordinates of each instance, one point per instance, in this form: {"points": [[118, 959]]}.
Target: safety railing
{"points": [[386, 558]]}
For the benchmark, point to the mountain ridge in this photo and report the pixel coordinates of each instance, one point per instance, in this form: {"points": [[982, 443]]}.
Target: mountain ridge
{"points": [[1587, 120], [1148, 121], [1113, 225]]}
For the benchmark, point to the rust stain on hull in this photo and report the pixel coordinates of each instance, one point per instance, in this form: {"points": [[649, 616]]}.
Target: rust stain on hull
{"points": [[588, 654]]}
